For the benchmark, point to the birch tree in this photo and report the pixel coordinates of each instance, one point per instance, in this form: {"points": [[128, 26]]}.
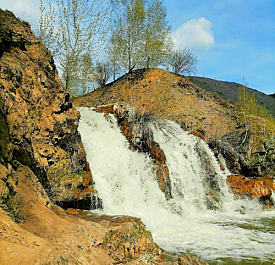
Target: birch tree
{"points": [[141, 34], [157, 40], [76, 28], [113, 53], [128, 25], [85, 74]]}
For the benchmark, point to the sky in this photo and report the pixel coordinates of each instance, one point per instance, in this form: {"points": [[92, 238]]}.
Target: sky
{"points": [[233, 39]]}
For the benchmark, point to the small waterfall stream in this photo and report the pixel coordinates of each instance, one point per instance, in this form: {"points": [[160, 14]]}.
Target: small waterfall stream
{"points": [[212, 227]]}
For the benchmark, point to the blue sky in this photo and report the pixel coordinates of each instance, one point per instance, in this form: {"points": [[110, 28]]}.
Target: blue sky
{"points": [[233, 38]]}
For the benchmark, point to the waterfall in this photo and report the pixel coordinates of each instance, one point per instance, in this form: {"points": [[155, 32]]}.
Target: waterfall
{"points": [[202, 218]]}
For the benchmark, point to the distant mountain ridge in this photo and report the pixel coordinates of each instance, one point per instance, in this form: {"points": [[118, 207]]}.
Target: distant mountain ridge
{"points": [[230, 91]]}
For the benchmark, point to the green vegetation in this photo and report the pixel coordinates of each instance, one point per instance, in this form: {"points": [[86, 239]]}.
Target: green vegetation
{"points": [[259, 134], [140, 36], [11, 202], [230, 91], [70, 30]]}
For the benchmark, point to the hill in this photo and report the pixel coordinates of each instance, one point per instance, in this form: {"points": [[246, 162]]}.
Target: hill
{"points": [[230, 91], [167, 96]]}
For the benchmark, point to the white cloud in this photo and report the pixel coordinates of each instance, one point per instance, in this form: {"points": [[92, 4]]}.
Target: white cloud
{"points": [[24, 9], [195, 34]]}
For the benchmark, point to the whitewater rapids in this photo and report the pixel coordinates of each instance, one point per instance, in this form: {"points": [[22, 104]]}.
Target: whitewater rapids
{"points": [[127, 184]]}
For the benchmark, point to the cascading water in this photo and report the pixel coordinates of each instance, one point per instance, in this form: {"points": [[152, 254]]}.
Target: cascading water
{"points": [[213, 227]]}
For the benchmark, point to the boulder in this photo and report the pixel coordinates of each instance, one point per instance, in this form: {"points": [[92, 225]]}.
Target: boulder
{"points": [[251, 188], [127, 240], [201, 134]]}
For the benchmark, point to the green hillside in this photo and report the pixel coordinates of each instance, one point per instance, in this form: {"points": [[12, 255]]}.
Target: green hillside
{"points": [[230, 91]]}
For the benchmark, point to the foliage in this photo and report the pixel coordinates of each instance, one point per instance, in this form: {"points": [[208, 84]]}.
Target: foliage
{"points": [[128, 25], [11, 202], [157, 42], [85, 74], [113, 50], [259, 127], [70, 30], [141, 34], [183, 61], [254, 116]]}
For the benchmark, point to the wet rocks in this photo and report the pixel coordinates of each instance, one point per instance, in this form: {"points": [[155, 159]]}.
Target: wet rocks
{"points": [[140, 137], [247, 153], [201, 134], [188, 260], [251, 188]]}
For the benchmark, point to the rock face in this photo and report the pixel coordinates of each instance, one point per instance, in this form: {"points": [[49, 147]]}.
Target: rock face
{"points": [[38, 122], [140, 137], [251, 188], [246, 153]]}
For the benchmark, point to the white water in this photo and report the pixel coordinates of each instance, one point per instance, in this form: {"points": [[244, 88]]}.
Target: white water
{"points": [[126, 182]]}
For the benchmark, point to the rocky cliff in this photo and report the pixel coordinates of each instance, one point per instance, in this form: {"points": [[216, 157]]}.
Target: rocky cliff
{"points": [[38, 122]]}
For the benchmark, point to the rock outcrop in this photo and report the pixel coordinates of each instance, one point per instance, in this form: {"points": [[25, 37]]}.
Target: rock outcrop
{"points": [[251, 188], [38, 122], [246, 154]]}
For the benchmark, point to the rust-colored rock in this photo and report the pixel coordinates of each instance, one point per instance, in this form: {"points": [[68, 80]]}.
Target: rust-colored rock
{"points": [[106, 109], [270, 182], [200, 134], [159, 159], [73, 211], [41, 121], [252, 188], [222, 168]]}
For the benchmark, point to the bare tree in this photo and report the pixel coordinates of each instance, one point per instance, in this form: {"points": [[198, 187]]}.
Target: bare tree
{"points": [[102, 73], [183, 61]]}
